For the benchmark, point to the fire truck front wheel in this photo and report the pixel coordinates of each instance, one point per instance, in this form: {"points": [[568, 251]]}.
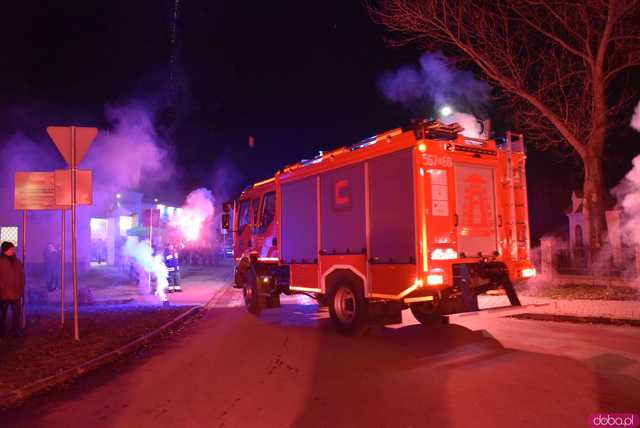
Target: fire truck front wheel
{"points": [[428, 313], [250, 292], [347, 307]]}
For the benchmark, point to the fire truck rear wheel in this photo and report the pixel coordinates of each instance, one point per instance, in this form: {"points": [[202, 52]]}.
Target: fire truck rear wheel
{"points": [[238, 281], [252, 300], [427, 313], [273, 301], [347, 307]]}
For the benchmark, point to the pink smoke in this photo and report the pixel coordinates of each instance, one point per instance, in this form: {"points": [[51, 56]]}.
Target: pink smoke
{"points": [[131, 153], [197, 209]]}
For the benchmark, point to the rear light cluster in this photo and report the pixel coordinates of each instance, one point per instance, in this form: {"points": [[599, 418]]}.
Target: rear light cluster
{"points": [[435, 279], [432, 279], [444, 254]]}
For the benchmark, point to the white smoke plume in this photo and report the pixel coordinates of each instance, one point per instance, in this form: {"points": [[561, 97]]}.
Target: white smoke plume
{"points": [[434, 79], [198, 208], [142, 253], [628, 193], [635, 120], [433, 84], [470, 123]]}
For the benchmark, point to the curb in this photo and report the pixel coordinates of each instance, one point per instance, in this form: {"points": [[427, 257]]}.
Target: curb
{"points": [[578, 319], [499, 311], [65, 376]]}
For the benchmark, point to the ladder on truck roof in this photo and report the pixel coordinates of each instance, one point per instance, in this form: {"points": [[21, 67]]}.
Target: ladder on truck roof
{"points": [[517, 190]]}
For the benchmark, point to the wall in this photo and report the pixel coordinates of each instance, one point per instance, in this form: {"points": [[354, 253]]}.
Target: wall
{"points": [[43, 227]]}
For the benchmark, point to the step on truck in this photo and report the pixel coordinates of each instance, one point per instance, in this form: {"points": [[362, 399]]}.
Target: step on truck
{"points": [[421, 218]]}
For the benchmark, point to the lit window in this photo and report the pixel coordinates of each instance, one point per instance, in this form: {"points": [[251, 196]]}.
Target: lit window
{"points": [[125, 224]]}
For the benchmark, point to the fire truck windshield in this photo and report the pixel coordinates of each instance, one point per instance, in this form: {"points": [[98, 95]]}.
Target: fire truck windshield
{"points": [[268, 210]]}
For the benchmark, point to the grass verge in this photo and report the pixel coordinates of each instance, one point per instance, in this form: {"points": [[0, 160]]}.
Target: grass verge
{"points": [[582, 291], [46, 349], [577, 320]]}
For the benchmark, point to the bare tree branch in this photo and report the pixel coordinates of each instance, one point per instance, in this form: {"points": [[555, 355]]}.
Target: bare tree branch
{"points": [[555, 60]]}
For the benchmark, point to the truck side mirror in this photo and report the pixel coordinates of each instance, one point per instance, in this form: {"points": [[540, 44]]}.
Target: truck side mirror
{"points": [[225, 220]]}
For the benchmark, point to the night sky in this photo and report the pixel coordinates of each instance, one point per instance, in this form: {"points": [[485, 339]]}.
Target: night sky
{"points": [[297, 76]]}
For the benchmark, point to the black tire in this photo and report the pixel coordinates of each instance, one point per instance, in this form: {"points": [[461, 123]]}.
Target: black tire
{"points": [[239, 278], [428, 313], [323, 301], [250, 292], [347, 307], [273, 301]]}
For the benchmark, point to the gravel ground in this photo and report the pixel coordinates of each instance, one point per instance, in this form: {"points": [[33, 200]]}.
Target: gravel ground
{"points": [[580, 292], [46, 349]]}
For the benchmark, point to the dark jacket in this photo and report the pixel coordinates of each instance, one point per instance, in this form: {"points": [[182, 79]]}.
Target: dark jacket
{"points": [[11, 278], [171, 260], [51, 261]]}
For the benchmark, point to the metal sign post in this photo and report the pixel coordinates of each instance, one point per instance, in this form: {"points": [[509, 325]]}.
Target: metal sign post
{"points": [[23, 312], [62, 263], [74, 267], [150, 243]]}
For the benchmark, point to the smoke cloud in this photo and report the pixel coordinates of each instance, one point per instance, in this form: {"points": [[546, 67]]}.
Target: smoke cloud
{"points": [[627, 193], [131, 153], [635, 120], [434, 81], [470, 123], [142, 253], [198, 208]]}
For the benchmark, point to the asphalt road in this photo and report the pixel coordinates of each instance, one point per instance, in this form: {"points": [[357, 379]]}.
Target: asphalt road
{"points": [[290, 369]]}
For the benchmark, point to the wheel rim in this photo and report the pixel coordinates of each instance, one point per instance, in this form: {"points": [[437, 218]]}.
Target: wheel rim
{"points": [[345, 305]]}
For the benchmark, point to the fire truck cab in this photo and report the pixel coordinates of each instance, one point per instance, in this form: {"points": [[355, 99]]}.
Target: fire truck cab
{"points": [[421, 218]]}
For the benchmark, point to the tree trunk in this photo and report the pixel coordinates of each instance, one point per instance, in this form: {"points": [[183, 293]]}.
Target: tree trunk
{"points": [[595, 198]]}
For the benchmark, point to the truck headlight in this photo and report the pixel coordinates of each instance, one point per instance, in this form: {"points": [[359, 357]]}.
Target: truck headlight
{"points": [[528, 272]]}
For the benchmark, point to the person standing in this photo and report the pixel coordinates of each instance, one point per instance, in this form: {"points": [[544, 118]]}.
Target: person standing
{"points": [[51, 267], [173, 267], [101, 250], [12, 283]]}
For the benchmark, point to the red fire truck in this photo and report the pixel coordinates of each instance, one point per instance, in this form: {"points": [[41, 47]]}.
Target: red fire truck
{"points": [[421, 218]]}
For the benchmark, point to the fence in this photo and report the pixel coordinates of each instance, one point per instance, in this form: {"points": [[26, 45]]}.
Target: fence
{"points": [[608, 262]]}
